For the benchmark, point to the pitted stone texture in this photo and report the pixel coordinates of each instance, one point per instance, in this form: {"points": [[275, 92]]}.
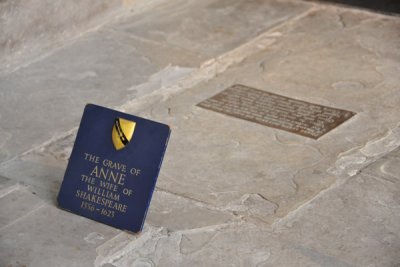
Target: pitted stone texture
{"points": [[210, 27], [218, 160], [52, 237]]}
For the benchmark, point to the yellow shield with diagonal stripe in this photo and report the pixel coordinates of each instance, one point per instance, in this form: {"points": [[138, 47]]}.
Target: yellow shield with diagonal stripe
{"points": [[122, 132]]}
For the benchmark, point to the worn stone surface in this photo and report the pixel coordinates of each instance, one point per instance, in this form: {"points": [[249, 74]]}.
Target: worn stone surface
{"points": [[354, 224], [231, 192], [52, 237], [42, 171], [81, 73], [110, 59], [7, 186], [17, 204], [210, 27], [30, 27], [230, 158]]}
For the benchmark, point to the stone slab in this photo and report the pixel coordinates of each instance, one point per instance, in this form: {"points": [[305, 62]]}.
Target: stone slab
{"points": [[228, 167], [33, 231], [52, 237], [177, 213], [356, 224], [101, 67], [42, 172], [223, 161], [29, 28], [236, 193], [212, 27], [353, 224], [17, 204], [117, 58]]}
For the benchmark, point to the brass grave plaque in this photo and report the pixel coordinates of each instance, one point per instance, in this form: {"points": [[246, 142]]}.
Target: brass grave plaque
{"points": [[273, 110]]}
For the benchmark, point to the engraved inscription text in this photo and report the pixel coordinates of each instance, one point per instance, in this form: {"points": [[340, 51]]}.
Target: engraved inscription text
{"points": [[296, 116]]}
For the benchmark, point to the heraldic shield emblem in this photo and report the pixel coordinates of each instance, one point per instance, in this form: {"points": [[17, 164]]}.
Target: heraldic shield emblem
{"points": [[122, 132]]}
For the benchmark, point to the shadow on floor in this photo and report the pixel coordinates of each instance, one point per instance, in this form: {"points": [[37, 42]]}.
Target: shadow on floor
{"points": [[384, 6]]}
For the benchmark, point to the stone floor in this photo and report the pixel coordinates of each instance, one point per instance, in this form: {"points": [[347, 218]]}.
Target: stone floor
{"points": [[230, 192]]}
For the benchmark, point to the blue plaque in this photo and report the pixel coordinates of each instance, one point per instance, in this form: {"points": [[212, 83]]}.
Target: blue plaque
{"points": [[113, 168]]}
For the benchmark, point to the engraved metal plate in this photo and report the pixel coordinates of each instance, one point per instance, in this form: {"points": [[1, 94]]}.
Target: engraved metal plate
{"points": [[281, 112]]}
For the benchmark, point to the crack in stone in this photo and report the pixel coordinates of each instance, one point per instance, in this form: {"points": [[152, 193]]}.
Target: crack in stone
{"points": [[181, 250], [322, 155], [198, 202], [4, 192], [354, 160], [207, 206], [139, 241], [341, 21], [145, 244], [22, 217], [380, 178]]}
